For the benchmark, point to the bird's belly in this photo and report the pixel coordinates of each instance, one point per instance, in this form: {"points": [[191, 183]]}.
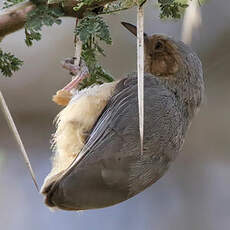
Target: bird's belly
{"points": [[74, 124]]}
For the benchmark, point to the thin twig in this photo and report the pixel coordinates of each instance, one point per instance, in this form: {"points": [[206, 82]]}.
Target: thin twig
{"points": [[14, 130], [140, 70], [78, 47], [75, 32]]}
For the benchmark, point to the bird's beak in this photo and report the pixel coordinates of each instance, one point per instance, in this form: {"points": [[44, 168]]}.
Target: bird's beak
{"points": [[133, 29]]}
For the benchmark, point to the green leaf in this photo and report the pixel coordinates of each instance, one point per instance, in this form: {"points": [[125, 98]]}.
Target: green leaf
{"points": [[120, 5], [93, 26], [9, 3], [9, 63], [41, 16], [172, 8], [88, 3], [91, 30]]}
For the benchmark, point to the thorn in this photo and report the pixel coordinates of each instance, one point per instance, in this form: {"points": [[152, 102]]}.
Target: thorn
{"points": [[140, 71]]}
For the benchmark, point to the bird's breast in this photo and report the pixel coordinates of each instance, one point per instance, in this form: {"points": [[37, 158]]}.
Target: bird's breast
{"points": [[74, 123]]}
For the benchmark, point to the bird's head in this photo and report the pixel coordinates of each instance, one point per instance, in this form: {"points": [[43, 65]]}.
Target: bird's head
{"points": [[162, 57], [173, 62]]}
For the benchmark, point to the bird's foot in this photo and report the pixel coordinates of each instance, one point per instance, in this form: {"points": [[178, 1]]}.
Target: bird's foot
{"points": [[80, 72], [74, 69]]}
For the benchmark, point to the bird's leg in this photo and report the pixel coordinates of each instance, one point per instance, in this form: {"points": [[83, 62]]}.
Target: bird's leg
{"points": [[68, 64], [81, 72]]}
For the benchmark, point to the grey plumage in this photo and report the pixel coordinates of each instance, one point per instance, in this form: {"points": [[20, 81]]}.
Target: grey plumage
{"points": [[110, 168]]}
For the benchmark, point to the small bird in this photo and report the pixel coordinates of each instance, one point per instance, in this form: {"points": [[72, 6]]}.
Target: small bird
{"points": [[98, 160]]}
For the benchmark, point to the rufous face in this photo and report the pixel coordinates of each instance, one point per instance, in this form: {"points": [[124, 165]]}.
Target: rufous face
{"points": [[161, 56]]}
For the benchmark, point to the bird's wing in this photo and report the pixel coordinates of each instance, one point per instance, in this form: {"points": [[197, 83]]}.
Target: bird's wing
{"points": [[110, 167], [116, 132], [124, 94]]}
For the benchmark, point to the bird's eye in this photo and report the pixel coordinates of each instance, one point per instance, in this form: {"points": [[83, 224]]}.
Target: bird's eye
{"points": [[159, 45]]}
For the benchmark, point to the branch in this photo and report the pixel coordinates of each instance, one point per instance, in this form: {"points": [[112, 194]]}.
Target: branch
{"points": [[14, 18]]}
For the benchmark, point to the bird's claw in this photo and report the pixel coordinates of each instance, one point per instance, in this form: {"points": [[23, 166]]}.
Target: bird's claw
{"points": [[79, 71], [74, 69]]}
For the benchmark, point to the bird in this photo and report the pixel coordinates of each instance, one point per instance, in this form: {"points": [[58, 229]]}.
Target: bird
{"points": [[98, 161]]}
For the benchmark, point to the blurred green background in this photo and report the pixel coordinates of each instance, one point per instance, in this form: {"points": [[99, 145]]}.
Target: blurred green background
{"points": [[194, 194]]}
